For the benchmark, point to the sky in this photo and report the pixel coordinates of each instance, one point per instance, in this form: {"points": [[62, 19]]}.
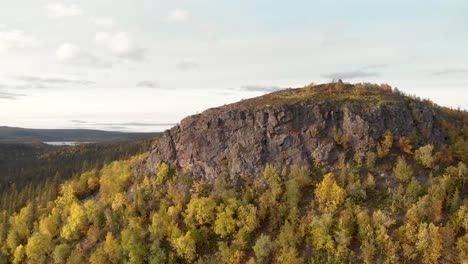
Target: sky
{"points": [[143, 65]]}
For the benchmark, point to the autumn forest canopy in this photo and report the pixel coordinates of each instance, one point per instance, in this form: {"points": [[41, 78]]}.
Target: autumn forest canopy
{"points": [[401, 199]]}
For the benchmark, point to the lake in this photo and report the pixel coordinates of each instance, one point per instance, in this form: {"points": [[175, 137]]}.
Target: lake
{"points": [[65, 143]]}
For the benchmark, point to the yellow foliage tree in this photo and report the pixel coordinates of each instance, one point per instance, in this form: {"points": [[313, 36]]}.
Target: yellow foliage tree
{"points": [[329, 194], [76, 222], [186, 246], [201, 210], [225, 223]]}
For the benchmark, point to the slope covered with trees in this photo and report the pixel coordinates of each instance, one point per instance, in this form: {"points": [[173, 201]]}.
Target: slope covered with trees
{"points": [[30, 169], [403, 201]]}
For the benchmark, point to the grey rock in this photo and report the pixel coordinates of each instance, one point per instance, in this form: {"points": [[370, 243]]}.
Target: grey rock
{"points": [[240, 139]]}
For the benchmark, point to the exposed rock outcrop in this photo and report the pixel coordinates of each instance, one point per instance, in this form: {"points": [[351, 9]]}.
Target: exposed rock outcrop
{"points": [[242, 138]]}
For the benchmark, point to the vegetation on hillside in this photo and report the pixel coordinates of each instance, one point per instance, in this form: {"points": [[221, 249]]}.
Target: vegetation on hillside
{"points": [[31, 170], [396, 208]]}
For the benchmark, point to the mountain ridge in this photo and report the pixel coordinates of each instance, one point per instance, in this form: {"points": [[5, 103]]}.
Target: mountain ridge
{"points": [[306, 126], [79, 135]]}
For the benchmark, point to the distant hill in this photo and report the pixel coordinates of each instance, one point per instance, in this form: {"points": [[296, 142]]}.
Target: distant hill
{"points": [[79, 135]]}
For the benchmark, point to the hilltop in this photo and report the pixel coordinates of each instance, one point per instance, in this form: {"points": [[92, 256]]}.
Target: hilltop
{"points": [[305, 127]]}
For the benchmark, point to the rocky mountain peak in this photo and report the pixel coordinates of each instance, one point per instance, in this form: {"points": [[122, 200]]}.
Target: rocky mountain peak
{"points": [[306, 126]]}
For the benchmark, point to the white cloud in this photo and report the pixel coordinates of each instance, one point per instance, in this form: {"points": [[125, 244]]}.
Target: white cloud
{"points": [[351, 75], [72, 54], [148, 84], [260, 88], [187, 66], [104, 22], [67, 52], [60, 10], [120, 45], [13, 39], [10, 96], [178, 15]]}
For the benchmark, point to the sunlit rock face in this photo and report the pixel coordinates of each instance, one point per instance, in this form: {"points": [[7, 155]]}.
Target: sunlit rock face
{"points": [[241, 138]]}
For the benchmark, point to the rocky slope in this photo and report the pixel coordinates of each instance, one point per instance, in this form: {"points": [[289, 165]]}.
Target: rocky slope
{"points": [[294, 126]]}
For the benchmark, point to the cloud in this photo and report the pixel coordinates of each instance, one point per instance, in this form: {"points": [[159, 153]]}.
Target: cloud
{"points": [[178, 15], [120, 45], [42, 83], [15, 39], [103, 22], [451, 71], [260, 88], [351, 75], [78, 121], [375, 66], [143, 124], [61, 10], [10, 96], [72, 54], [68, 52], [187, 66], [125, 125], [148, 84]]}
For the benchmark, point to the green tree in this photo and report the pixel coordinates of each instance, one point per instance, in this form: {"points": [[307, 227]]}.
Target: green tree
{"points": [[321, 238], [133, 245], [462, 248], [429, 243], [98, 257], [77, 256], [112, 249], [403, 171], [225, 223], [413, 191], [247, 218], [186, 246], [50, 225], [263, 248], [20, 227], [370, 160], [200, 211], [289, 255], [94, 213], [61, 253], [163, 173], [158, 255], [424, 156], [38, 248]]}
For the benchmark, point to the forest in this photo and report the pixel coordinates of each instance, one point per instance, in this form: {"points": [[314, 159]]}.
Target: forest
{"points": [[399, 204], [30, 170]]}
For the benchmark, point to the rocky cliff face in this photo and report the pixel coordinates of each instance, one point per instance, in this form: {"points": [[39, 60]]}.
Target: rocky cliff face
{"points": [[242, 138]]}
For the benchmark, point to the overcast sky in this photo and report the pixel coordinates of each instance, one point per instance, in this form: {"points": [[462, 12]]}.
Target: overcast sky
{"points": [[143, 65]]}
